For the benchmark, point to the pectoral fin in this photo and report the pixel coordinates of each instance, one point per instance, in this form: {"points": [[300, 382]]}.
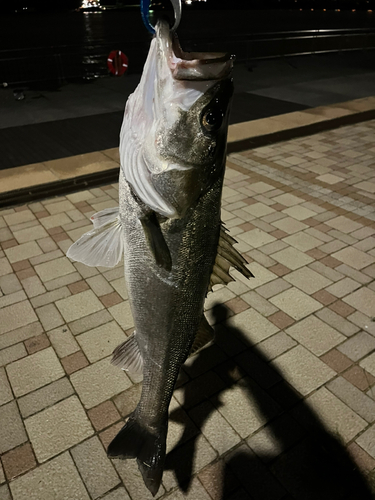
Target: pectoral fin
{"points": [[103, 245], [156, 241]]}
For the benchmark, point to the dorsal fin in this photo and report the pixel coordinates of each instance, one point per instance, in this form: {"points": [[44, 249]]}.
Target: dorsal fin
{"points": [[227, 256]]}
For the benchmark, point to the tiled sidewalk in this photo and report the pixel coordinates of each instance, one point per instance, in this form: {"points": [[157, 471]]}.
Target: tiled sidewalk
{"points": [[294, 362]]}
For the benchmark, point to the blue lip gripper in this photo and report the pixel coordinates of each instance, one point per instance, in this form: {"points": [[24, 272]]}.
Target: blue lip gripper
{"points": [[145, 12]]}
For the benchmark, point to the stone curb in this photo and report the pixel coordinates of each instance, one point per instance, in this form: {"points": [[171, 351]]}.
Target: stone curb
{"points": [[51, 178]]}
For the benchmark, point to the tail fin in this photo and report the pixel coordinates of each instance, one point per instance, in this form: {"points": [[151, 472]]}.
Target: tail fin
{"points": [[135, 441]]}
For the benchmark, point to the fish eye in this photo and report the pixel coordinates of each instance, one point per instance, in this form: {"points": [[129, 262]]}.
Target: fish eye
{"points": [[212, 119]]}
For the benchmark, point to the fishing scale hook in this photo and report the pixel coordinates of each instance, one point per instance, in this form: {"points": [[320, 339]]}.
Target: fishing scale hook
{"points": [[145, 12]]}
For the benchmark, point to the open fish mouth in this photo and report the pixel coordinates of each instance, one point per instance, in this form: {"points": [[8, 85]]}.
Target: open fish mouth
{"points": [[193, 65]]}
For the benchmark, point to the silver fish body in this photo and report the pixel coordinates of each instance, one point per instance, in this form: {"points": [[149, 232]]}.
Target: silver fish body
{"points": [[172, 184], [173, 153]]}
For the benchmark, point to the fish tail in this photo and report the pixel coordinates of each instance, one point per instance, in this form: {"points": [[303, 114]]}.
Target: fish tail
{"points": [[135, 441]]}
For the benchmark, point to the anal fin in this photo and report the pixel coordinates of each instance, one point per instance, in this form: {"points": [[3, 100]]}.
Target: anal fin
{"points": [[128, 357], [205, 335]]}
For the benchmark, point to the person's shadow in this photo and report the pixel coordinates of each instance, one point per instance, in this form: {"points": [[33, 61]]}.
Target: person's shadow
{"points": [[311, 463]]}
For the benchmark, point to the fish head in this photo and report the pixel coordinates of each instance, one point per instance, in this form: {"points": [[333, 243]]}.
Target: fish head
{"points": [[186, 107]]}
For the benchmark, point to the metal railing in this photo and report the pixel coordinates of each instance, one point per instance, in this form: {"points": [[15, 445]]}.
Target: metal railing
{"points": [[63, 63]]}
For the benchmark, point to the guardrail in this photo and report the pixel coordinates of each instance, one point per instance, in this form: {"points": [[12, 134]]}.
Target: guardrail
{"points": [[87, 61]]}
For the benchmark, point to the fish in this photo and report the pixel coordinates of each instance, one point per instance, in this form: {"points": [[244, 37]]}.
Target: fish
{"points": [[168, 227]]}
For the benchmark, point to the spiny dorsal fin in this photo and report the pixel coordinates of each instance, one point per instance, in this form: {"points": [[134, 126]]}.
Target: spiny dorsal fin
{"points": [[128, 357], [204, 336], [226, 257]]}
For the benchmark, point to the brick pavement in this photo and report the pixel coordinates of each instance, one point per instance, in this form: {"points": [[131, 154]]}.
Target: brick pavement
{"points": [[264, 413]]}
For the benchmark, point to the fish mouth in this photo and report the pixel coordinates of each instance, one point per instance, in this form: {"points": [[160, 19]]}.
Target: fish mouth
{"points": [[198, 66]]}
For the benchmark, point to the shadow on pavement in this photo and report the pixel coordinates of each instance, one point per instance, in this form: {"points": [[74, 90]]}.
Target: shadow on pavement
{"points": [[310, 462]]}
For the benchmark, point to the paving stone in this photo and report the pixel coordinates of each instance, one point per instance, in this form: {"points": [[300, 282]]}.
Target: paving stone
{"points": [[316, 335], [12, 431], [363, 300], [49, 297], [20, 334], [128, 400], [369, 364], [337, 416], [98, 382], [36, 344], [99, 285], [79, 305], [363, 322], [74, 362], [5, 493], [239, 405], [5, 267], [24, 251], [265, 443], [257, 302], [354, 398], [18, 461], [252, 325], [123, 315], [54, 269], [344, 224], [5, 390], [94, 467], [48, 439], [307, 280], [367, 441], [292, 258], [364, 462], [12, 298], [215, 428], [15, 316], [49, 316], [218, 297], [58, 478], [336, 360], [12, 353], [358, 346], [118, 494], [63, 341], [295, 303], [337, 322], [304, 371], [2, 476], [354, 257], [90, 322], [9, 284], [44, 397], [18, 217], [256, 238], [100, 342], [103, 415], [276, 345], [253, 475], [33, 286], [30, 234], [34, 371]]}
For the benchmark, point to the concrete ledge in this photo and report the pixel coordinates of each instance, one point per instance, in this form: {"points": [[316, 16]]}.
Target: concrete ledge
{"points": [[30, 182]]}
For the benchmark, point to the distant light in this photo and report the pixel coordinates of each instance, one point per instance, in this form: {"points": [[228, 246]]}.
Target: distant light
{"points": [[369, 11], [189, 2], [324, 10], [353, 10]]}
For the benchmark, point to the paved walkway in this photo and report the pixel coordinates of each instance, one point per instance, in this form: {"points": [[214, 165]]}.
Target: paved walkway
{"points": [[281, 407]]}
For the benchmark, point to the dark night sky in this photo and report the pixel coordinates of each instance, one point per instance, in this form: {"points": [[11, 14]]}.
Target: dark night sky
{"points": [[211, 4]]}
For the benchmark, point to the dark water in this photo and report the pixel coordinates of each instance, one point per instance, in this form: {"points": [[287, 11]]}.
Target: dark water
{"points": [[67, 45]]}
